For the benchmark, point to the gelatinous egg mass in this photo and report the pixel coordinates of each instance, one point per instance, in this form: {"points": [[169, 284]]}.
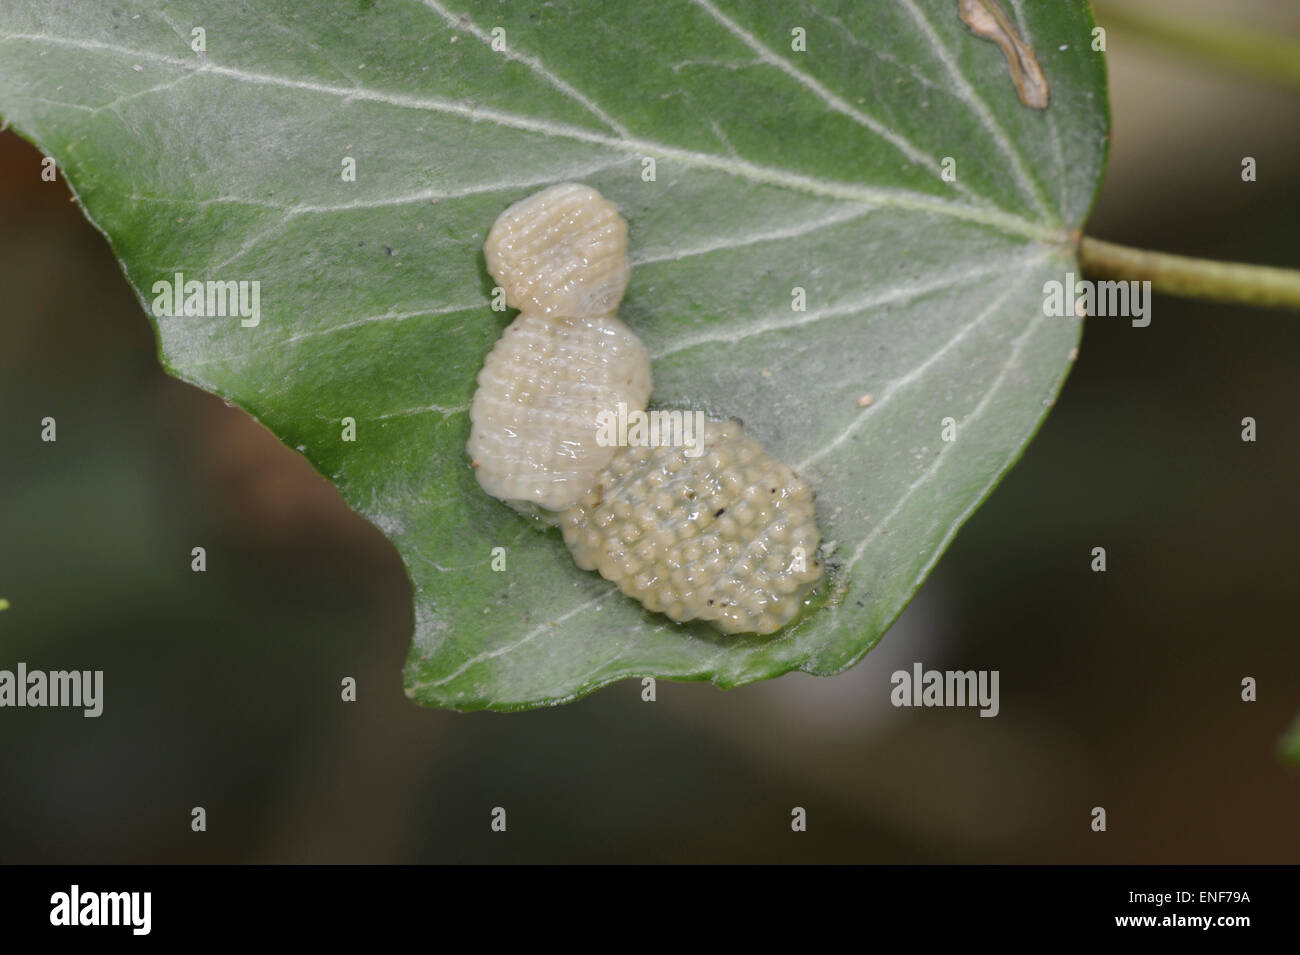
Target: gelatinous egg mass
{"points": [[533, 435], [728, 536], [561, 256], [561, 251]]}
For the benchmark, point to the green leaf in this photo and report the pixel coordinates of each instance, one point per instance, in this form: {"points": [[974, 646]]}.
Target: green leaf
{"points": [[775, 169]]}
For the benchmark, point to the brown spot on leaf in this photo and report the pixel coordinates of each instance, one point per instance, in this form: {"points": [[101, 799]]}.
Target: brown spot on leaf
{"points": [[986, 19]]}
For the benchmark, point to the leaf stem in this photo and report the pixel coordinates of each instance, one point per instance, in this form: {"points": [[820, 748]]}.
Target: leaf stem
{"points": [[1239, 282], [1252, 52]]}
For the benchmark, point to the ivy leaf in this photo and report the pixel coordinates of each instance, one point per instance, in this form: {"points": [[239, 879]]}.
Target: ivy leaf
{"points": [[762, 153]]}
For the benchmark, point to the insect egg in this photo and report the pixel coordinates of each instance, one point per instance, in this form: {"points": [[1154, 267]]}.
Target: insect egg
{"points": [[561, 256], [534, 416], [729, 537], [562, 251]]}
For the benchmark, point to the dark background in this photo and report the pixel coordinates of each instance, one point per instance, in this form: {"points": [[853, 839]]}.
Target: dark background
{"points": [[1119, 689]]}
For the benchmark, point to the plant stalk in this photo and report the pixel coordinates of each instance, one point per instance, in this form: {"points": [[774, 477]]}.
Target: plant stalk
{"points": [[1235, 282], [1244, 50]]}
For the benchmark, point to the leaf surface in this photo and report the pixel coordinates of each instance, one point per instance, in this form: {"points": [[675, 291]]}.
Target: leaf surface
{"points": [[775, 169]]}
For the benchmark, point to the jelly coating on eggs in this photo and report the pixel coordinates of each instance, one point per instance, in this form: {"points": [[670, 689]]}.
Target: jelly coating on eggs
{"points": [[561, 251], [533, 435], [729, 536]]}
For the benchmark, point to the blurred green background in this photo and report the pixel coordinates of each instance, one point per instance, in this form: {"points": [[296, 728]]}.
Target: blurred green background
{"points": [[1119, 690]]}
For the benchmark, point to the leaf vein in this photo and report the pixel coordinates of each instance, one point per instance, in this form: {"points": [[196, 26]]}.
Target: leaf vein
{"points": [[753, 172], [902, 382], [896, 293], [848, 213], [1012, 360], [831, 99], [317, 332], [1024, 181], [533, 63], [511, 647]]}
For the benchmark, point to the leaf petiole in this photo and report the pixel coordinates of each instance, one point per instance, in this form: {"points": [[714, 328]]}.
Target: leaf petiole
{"points": [[1237, 282]]}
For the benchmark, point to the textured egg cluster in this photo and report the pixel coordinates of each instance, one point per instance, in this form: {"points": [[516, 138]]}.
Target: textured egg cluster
{"points": [[729, 536], [540, 391], [561, 256], [562, 251]]}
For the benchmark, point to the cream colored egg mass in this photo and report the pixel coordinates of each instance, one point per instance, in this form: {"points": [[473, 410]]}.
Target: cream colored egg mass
{"points": [[562, 251], [534, 416], [729, 536], [561, 256]]}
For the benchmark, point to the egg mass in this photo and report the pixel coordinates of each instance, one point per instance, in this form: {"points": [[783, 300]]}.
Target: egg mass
{"points": [[534, 432], [729, 536], [561, 251], [721, 532], [561, 256]]}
